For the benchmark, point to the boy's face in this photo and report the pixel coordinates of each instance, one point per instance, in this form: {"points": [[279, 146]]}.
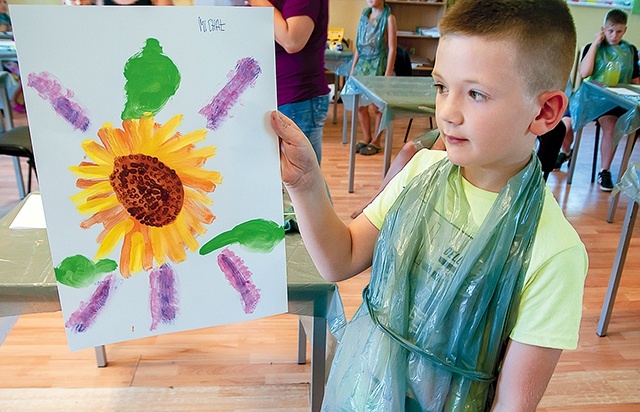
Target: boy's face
{"points": [[3, 6], [482, 108], [613, 33]]}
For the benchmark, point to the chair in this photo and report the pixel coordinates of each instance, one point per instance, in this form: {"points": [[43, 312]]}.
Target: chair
{"points": [[15, 142], [402, 67]]}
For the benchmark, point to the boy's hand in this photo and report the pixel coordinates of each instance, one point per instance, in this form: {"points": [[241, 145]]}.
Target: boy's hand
{"points": [[599, 37], [298, 162]]}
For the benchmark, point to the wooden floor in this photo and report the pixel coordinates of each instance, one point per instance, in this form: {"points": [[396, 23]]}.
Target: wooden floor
{"points": [[252, 366]]}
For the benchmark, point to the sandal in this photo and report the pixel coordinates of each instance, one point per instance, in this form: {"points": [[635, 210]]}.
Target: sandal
{"points": [[360, 146], [370, 149]]}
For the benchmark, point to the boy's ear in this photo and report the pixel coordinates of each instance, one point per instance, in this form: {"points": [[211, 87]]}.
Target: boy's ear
{"points": [[553, 105]]}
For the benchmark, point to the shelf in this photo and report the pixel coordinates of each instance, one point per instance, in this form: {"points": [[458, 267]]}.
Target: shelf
{"points": [[417, 30]]}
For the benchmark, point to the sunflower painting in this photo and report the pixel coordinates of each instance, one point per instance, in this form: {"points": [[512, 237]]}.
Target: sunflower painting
{"points": [[146, 185], [163, 218]]}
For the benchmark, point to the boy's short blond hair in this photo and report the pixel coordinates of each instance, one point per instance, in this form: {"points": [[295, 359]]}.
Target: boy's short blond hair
{"points": [[542, 31]]}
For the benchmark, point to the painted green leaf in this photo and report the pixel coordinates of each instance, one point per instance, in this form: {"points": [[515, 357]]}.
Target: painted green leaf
{"points": [[79, 272], [257, 235], [152, 79]]}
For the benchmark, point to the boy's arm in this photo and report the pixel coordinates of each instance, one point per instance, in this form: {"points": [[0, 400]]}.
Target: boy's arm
{"points": [[293, 33], [588, 61], [339, 252], [524, 377], [392, 44]]}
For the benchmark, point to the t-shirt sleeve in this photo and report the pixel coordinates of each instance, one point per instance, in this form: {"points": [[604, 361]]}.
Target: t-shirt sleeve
{"points": [[550, 306], [293, 8]]}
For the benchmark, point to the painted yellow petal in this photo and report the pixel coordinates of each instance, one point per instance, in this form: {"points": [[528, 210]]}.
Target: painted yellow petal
{"points": [[97, 152], [182, 141], [164, 133], [204, 180], [196, 196], [137, 252], [175, 248], [92, 170], [113, 237], [158, 245], [193, 223], [119, 142], [189, 159], [131, 129], [145, 135], [102, 188], [98, 204], [186, 236]]}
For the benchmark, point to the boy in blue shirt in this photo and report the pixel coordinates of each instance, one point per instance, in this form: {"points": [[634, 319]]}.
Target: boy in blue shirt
{"points": [[471, 299]]}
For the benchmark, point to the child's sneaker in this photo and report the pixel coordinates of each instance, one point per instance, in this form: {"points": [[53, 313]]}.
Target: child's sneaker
{"points": [[562, 158], [604, 178]]}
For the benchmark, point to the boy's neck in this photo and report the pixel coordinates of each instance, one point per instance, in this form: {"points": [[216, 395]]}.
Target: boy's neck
{"points": [[493, 179]]}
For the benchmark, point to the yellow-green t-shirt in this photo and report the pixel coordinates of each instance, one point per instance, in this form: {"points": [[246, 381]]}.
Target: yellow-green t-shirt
{"points": [[551, 298]]}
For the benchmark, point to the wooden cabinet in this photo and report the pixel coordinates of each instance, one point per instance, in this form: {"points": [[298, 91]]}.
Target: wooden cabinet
{"points": [[417, 22]]}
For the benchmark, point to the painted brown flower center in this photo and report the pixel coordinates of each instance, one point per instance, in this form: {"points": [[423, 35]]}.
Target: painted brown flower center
{"points": [[150, 191]]}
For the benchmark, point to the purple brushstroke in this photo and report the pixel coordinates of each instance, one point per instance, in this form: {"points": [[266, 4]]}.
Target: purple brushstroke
{"points": [[50, 89], [87, 312], [246, 72], [163, 296], [240, 278]]}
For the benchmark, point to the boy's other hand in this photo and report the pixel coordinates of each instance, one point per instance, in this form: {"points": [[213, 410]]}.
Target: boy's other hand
{"points": [[297, 159]]}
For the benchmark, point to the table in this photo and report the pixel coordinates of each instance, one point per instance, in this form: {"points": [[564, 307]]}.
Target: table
{"points": [[591, 101], [338, 62], [28, 285], [629, 185], [396, 97]]}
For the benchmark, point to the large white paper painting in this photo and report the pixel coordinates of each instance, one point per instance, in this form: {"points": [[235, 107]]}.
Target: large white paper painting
{"points": [[159, 173]]}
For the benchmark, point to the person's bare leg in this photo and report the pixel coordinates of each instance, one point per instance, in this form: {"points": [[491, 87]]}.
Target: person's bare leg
{"points": [[376, 141], [365, 123], [568, 136], [607, 151]]}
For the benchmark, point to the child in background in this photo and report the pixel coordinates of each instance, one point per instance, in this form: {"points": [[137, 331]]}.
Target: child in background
{"points": [[375, 55], [477, 277], [607, 46]]}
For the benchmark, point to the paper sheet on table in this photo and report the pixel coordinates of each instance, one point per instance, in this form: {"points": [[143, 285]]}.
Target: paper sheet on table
{"points": [[624, 91], [31, 216]]}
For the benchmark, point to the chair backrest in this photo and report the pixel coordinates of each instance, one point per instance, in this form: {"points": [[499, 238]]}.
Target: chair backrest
{"points": [[577, 78], [402, 65], [573, 75]]}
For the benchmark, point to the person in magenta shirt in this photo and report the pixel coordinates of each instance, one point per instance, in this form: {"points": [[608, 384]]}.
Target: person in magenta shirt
{"points": [[301, 38]]}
